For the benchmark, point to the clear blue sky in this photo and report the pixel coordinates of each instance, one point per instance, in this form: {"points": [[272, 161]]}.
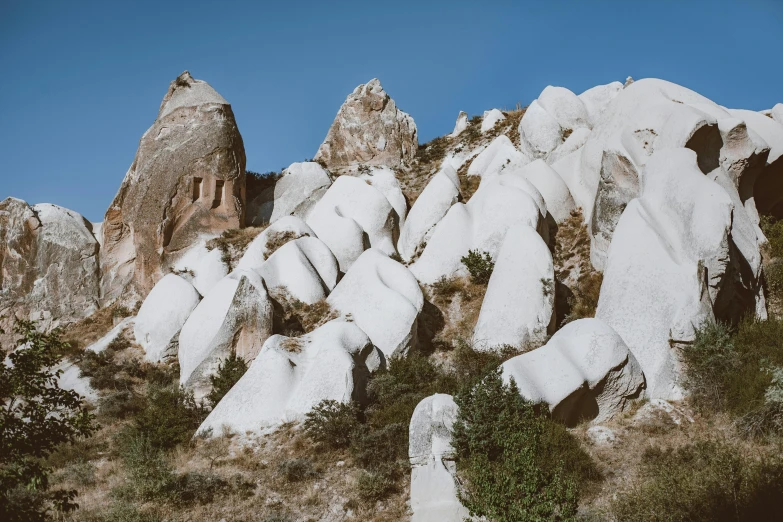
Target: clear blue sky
{"points": [[82, 80]]}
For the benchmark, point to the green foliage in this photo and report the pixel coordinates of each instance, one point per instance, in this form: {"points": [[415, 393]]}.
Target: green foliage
{"points": [[773, 229], [432, 153], [297, 470], [704, 481], [229, 372], [150, 475], [736, 372], [517, 464], [170, 417], [37, 415], [331, 423], [480, 266], [377, 484]]}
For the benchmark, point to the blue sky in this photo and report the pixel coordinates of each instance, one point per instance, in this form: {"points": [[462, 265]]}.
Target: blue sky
{"points": [[82, 80]]}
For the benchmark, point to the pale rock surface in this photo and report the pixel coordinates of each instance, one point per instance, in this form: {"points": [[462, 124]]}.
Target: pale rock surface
{"points": [[776, 113], [118, 330], [490, 119], [383, 298], [71, 379], [305, 268], [236, 315], [499, 156], [49, 267], [385, 181], [460, 125], [434, 495], [162, 315], [518, 307], [666, 265], [585, 371], [202, 267], [291, 375], [572, 143], [353, 216], [553, 114], [435, 200], [601, 435], [294, 194], [499, 203], [597, 98], [187, 180], [655, 409], [259, 249], [369, 129], [553, 189]]}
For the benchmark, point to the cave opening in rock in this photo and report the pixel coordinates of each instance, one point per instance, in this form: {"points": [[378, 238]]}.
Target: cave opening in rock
{"points": [[219, 187], [197, 183], [706, 143]]}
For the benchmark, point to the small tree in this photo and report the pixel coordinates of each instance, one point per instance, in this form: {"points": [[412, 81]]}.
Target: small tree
{"points": [[228, 374], [480, 266], [37, 415]]}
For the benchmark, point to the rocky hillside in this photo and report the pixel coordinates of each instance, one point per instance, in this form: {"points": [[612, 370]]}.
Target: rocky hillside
{"points": [[508, 321]]}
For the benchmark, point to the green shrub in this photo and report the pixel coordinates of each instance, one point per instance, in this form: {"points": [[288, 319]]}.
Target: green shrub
{"points": [[736, 372], [373, 447], [378, 484], [773, 272], [773, 229], [229, 372], [480, 266], [297, 470], [705, 481], [170, 417], [195, 487], [120, 404], [331, 423], [516, 463], [150, 475]]}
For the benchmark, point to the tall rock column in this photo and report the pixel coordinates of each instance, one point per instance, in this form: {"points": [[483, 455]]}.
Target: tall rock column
{"points": [[187, 179]]}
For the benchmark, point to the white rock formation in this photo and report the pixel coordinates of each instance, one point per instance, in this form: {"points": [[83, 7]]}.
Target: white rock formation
{"points": [[118, 330], [460, 125], [496, 158], [481, 224], [585, 371], [202, 267], [305, 268], [518, 307], [383, 179], [49, 268], [294, 194], [776, 113], [547, 122], [369, 129], [236, 315], [597, 98], [553, 189], [384, 299], [573, 142], [162, 316], [435, 200], [666, 264], [490, 119], [434, 495], [352, 216], [288, 227], [293, 374]]}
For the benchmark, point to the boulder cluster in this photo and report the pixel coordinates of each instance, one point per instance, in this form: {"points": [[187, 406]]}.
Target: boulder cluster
{"points": [[671, 187]]}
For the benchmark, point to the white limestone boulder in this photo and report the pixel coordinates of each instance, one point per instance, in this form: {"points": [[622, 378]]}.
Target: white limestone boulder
{"points": [[435, 200], [291, 375], [460, 125], [294, 194], [383, 179], [287, 228], [118, 330], [584, 372], [351, 217], [553, 189], [518, 307], [434, 496], [575, 141], [305, 268], [666, 265], [776, 113], [490, 119], [549, 119], [383, 298], [597, 98], [202, 267], [496, 158], [70, 379], [236, 316], [162, 316], [481, 224]]}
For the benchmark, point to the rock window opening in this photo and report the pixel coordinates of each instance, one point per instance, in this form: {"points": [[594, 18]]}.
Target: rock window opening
{"points": [[197, 189], [218, 194]]}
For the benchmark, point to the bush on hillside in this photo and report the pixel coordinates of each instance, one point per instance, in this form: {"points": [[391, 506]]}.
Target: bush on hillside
{"points": [[229, 372], [773, 229], [480, 266], [705, 481], [331, 423], [516, 463]]}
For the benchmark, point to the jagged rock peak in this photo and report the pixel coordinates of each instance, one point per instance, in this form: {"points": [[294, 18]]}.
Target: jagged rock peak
{"points": [[369, 129]]}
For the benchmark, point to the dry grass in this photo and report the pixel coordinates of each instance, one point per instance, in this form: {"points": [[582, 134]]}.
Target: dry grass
{"points": [[458, 303], [278, 238], [293, 318], [85, 332], [233, 243]]}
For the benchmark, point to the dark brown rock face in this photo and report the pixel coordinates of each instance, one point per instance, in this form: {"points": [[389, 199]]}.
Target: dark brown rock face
{"points": [[188, 179]]}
